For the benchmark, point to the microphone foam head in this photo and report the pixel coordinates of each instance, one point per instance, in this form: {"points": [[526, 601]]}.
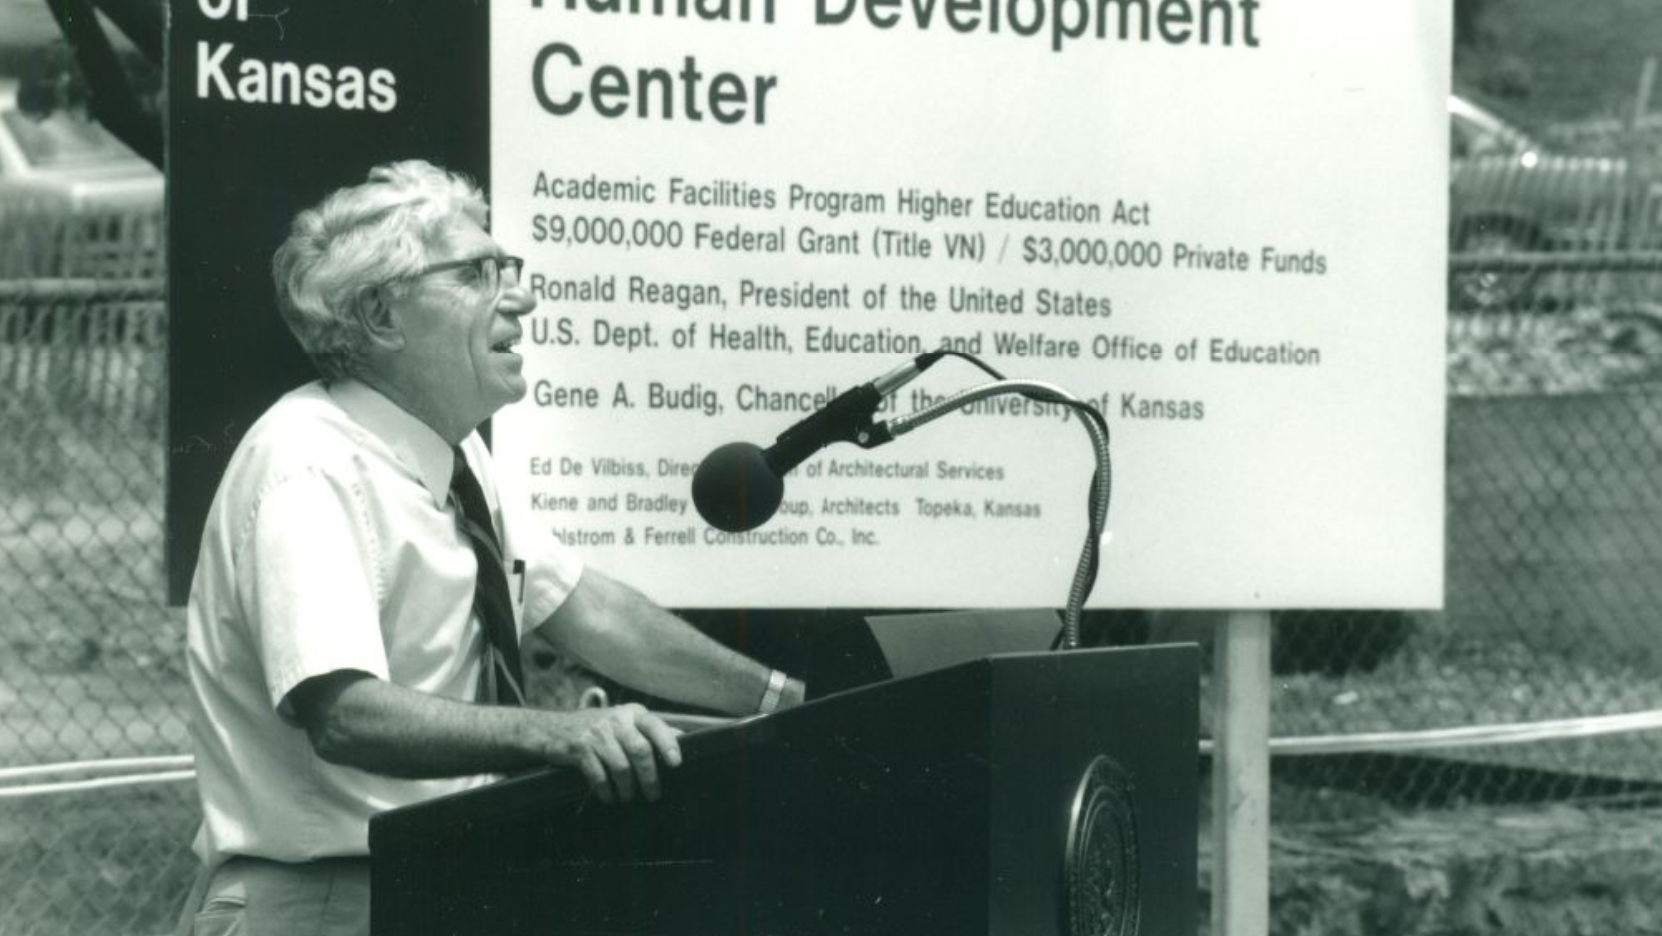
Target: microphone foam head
{"points": [[735, 489]]}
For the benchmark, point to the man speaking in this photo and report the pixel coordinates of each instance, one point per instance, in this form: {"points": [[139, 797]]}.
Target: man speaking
{"points": [[363, 586]]}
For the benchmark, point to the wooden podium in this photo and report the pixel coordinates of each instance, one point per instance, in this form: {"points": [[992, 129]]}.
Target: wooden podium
{"points": [[1027, 794]]}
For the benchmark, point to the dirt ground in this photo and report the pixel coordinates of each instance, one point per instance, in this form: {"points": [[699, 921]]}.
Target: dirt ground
{"points": [[1566, 870]]}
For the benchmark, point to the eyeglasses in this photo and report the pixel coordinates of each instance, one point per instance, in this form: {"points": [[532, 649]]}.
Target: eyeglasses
{"points": [[488, 271]]}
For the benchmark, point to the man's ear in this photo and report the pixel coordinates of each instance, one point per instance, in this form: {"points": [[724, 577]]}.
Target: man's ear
{"points": [[375, 313]]}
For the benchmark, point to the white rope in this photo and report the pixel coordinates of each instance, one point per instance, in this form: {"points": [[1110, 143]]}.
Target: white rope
{"points": [[168, 762], [1385, 742], [176, 768], [101, 783]]}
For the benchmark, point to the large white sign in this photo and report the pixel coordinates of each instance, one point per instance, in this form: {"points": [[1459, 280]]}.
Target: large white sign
{"points": [[1221, 221]]}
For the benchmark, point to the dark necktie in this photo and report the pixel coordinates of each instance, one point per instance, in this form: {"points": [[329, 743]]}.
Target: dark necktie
{"points": [[501, 677]]}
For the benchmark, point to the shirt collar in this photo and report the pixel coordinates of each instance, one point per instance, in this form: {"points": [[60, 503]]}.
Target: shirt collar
{"points": [[412, 441]]}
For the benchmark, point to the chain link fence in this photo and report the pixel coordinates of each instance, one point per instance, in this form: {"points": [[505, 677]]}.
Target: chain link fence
{"points": [[91, 672], [1496, 767], [1397, 727]]}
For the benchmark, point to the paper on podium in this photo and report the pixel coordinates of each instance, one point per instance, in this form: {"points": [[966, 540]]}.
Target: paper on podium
{"points": [[920, 643]]}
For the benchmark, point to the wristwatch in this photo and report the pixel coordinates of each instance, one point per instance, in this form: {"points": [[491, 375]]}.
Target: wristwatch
{"points": [[775, 692]]}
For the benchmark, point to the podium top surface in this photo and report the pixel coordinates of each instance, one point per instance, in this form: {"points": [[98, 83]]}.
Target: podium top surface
{"points": [[913, 644]]}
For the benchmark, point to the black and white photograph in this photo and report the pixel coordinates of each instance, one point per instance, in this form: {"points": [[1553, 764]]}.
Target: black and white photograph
{"points": [[830, 467]]}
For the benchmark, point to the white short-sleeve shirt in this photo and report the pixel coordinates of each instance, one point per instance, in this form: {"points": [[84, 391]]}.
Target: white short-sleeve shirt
{"points": [[332, 545]]}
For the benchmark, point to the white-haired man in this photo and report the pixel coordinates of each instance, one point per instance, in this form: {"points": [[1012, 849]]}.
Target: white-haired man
{"points": [[362, 588]]}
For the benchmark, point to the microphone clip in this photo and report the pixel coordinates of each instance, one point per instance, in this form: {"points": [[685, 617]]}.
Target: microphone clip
{"points": [[847, 418]]}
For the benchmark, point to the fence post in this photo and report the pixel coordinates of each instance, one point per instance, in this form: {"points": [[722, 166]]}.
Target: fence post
{"points": [[1241, 775]]}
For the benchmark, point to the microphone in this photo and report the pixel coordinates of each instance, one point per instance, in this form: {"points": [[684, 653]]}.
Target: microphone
{"points": [[738, 486]]}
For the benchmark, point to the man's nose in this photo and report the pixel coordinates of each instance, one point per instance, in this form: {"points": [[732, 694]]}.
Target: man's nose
{"points": [[516, 298]]}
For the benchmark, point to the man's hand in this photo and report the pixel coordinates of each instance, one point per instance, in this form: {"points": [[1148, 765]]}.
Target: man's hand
{"points": [[618, 749]]}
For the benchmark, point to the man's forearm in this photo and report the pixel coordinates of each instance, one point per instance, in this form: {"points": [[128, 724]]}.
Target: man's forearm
{"points": [[684, 664], [620, 632], [358, 721]]}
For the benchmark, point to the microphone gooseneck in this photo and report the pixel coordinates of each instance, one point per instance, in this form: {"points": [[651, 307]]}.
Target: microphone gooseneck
{"points": [[739, 486]]}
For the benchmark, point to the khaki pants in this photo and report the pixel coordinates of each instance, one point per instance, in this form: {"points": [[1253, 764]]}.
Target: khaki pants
{"points": [[257, 897]]}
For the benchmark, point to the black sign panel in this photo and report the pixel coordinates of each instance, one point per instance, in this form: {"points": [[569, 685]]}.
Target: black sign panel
{"points": [[271, 105]]}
